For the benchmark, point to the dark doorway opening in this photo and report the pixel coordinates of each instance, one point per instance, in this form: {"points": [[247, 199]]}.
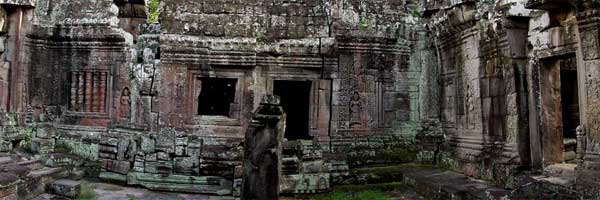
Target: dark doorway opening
{"points": [[216, 96], [295, 100], [570, 111]]}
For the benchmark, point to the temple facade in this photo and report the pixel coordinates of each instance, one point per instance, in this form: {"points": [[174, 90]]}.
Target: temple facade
{"points": [[491, 89]]}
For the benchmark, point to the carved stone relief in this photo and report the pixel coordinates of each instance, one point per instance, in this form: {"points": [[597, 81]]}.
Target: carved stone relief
{"points": [[589, 44], [125, 102]]}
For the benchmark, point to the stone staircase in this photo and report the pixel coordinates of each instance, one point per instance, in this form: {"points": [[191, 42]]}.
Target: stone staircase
{"points": [[25, 177]]}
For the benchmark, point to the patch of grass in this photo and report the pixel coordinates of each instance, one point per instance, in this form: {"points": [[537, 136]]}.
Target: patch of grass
{"points": [[87, 192], [372, 195], [371, 187], [132, 197], [362, 195]]}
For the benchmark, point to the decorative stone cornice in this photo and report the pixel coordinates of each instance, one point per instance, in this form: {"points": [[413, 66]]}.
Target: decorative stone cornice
{"points": [[27, 3], [244, 51]]}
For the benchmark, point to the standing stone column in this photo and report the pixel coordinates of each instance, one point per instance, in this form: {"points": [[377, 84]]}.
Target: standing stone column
{"points": [[262, 151], [588, 172]]}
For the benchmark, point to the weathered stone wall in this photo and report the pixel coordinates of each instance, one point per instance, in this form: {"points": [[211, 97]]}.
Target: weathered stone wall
{"points": [[474, 83], [124, 99], [481, 48], [357, 55], [82, 54]]}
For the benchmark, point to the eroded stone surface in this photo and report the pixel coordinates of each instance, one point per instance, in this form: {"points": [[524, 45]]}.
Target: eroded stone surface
{"points": [[481, 87], [65, 188]]}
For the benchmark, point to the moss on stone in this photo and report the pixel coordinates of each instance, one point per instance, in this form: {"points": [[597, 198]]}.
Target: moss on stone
{"points": [[87, 192]]}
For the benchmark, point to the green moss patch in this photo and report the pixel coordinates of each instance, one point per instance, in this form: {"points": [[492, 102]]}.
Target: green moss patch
{"points": [[362, 195], [87, 192], [382, 174]]}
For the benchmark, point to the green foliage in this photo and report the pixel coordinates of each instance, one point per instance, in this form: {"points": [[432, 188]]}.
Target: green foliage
{"points": [[153, 11], [364, 195], [372, 195], [87, 192], [416, 13], [363, 22], [132, 197]]}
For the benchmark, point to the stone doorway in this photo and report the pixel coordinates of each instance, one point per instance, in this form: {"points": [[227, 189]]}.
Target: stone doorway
{"points": [[559, 109], [570, 110], [295, 100]]}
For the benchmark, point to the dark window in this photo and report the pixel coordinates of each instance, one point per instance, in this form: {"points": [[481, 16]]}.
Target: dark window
{"points": [[216, 96]]}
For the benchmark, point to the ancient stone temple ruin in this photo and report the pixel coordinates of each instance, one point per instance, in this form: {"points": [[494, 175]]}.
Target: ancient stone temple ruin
{"points": [[167, 95]]}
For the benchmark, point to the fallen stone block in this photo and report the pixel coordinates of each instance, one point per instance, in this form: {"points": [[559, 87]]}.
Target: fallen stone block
{"points": [[163, 156], [187, 165], [8, 186], [64, 187], [5, 146], [148, 145], [42, 146], [122, 149], [121, 167], [315, 166], [304, 183]]}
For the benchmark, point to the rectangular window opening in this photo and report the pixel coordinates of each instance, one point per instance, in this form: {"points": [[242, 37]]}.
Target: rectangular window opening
{"points": [[216, 96]]}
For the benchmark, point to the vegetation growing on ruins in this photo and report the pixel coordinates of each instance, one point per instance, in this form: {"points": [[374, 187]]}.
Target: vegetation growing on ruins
{"points": [[368, 194], [87, 192], [153, 11]]}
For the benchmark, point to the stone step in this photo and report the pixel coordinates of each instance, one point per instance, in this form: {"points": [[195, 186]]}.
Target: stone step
{"points": [[46, 172], [6, 160], [65, 188], [36, 181], [31, 164]]}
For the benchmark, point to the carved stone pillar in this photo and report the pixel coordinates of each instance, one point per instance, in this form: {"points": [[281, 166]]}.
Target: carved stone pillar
{"points": [[588, 172], [262, 152]]}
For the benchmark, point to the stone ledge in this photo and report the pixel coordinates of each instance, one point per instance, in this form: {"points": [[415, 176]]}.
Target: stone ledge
{"points": [[181, 183]]}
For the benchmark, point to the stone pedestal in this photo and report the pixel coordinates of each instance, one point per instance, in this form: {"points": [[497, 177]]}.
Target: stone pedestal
{"points": [[262, 155]]}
